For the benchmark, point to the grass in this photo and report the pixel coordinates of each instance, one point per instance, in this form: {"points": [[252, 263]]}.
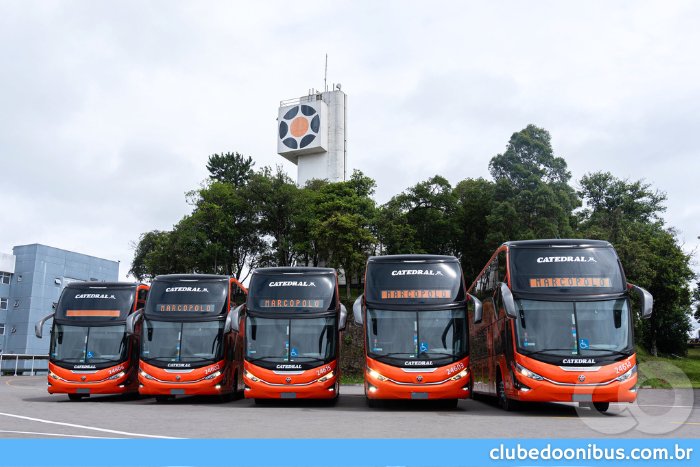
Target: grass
{"points": [[351, 379], [663, 372]]}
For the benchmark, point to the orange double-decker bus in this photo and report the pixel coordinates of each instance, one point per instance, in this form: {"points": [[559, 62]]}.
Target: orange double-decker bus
{"points": [[188, 344], [414, 313], [556, 325], [293, 318], [90, 351]]}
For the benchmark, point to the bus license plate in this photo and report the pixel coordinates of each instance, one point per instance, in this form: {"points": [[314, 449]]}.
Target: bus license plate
{"points": [[582, 397], [419, 395], [288, 395], [82, 391], [177, 392]]}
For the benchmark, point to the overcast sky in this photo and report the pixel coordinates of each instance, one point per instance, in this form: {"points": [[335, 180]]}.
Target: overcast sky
{"points": [[109, 110]]}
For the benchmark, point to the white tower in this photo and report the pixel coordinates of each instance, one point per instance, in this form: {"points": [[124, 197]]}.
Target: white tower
{"points": [[311, 132]]}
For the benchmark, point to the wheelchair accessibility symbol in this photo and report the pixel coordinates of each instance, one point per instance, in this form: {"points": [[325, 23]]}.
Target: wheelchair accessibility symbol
{"points": [[583, 344]]}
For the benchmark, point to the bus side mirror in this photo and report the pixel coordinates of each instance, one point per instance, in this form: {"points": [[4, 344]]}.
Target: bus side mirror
{"points": [[357, 310], [40, 324], [508, 302], [132, 320], [478, 309], [232, 319], [646, 301], [343, 317]]}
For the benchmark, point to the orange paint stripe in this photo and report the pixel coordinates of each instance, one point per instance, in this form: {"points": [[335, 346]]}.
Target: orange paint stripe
{"points": [[104, 313]]}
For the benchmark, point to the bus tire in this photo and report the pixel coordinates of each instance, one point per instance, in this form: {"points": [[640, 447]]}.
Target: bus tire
{"points": [[262, 401], [374, 403], [601, 407], [504, 401], [75, 397], [164, 399], [449, 403]]}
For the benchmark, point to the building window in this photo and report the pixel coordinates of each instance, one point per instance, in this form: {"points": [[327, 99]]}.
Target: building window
{"points": [[3, 304], [5, 277], [2, 329]]}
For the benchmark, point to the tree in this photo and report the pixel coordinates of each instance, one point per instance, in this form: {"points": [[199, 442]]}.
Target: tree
{"points": [[429, 208], [341, 227], [275, 198], [628, 214], [475, 202], [532, 197], [230, 167]]}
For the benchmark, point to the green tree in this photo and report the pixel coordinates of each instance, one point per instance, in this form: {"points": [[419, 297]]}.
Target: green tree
{"points": [[475, 202], [230, 167], [429, 208], [532, 197], [628, 214]]}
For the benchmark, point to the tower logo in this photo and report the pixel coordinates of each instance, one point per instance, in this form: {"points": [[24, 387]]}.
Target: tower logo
{"points": [[299, 126]]}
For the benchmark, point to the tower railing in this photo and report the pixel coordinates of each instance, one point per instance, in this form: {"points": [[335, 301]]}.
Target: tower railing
{"points": [[31, 364]]}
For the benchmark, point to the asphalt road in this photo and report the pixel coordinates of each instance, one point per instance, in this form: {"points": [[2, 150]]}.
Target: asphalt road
{"points": [[28, 411]]}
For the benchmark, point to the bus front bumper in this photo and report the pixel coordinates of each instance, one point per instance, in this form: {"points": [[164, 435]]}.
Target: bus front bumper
{"points": [[120, 383], [528, 390], [376, 389]]}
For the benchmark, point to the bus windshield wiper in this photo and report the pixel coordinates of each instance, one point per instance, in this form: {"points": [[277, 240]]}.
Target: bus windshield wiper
{"points": [[430, 354], [535, 352], [612, 351]]}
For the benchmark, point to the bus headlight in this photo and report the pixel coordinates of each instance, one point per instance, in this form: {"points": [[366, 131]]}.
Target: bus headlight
{"points": [[460, 375], [146, 375], [525, 372], [376, 375], [251, 376], [326, 377], [628, 375], [117, 376], [53, 375], [213, 375]]}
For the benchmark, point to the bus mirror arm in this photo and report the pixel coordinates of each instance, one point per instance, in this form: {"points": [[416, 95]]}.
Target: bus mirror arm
{"points": [[646, 300], [232, 319], [478, 309], [132, 320], [508, 302], [40, 324], [357, 310], [343, 317]]}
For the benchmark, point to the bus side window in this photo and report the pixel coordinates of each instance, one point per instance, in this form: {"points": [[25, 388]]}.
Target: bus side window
{"points": [[141, 298], [238, 297], [502, 266]]}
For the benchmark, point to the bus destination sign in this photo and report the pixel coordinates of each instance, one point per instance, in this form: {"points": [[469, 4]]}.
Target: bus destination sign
{"points": [[412, 294], [595, 282]]}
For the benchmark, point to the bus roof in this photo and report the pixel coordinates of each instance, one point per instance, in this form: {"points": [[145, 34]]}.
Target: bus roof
{"points": [[558, 242], [190, 277], [408, 258], [293, 270], [93, 284]]}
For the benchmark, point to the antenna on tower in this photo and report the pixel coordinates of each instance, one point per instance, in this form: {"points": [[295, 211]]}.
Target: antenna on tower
{"points": [[325, 75]]}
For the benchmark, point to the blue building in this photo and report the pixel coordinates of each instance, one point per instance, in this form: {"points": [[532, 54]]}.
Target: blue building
{"points": [[31, 280]]}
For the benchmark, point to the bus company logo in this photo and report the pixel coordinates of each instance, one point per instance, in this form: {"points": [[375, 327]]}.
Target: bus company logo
{"points": [[581, 378], [292, 284], [84, 367], [566, 259], [416, 272], [187, 289], [179, 365], [288, 367], [578, 361], [96, 295], [299, 126], [418, 363]]}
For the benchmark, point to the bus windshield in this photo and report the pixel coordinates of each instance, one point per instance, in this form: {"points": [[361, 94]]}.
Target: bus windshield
{"points": [[192, 342], [88, 344], [590, 329], [301, 340], [417, 335]]}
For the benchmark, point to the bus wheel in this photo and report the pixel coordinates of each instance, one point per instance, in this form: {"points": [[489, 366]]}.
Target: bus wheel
{"points": [[449, 403], [374, 403], [163, 399], [75, 397], [504, 401], [601, 406]]}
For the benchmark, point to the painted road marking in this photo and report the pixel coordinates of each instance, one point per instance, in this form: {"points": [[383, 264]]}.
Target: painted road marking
{"points": [[84, 427], [55, 434]]}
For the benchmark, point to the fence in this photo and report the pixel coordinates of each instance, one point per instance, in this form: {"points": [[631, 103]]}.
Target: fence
{"points": [[20, 364]]}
